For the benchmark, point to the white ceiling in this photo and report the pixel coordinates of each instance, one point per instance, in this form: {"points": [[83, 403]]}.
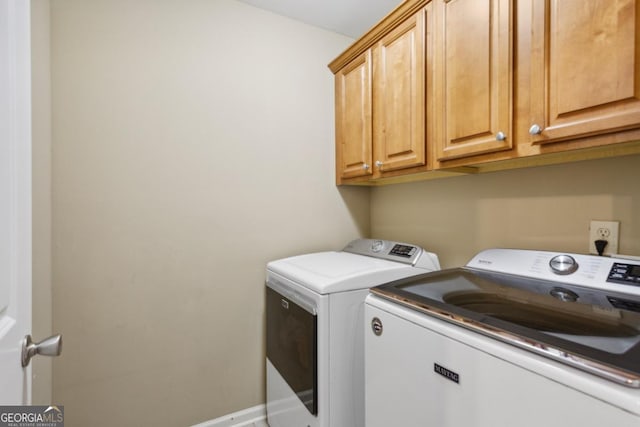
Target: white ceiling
{"points": [[349, 17]]}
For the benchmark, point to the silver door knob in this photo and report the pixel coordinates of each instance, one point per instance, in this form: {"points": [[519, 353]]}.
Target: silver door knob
{"points": [[379, 164], [500, 136], [51, 346], [535, 129], [365, 166]]}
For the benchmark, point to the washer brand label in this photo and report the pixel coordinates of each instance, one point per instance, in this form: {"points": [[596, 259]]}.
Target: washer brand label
{"points": [[376, 325], [450, 375]]}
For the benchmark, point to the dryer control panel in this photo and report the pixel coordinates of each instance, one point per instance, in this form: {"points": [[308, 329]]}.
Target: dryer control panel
{"points": [[385, 249], [405, 251], [394, 251]]}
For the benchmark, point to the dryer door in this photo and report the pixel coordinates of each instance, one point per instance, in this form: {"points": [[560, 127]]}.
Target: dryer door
{"points": [[292, 343]]}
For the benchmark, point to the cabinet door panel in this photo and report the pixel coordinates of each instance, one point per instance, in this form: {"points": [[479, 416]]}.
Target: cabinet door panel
{"points": [[353, 118], [399, 96], [473, 66], [585, 76]]}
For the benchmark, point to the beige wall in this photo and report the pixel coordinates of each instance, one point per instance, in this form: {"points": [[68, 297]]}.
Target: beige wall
{"points": [[41, 194], [192, 143], [540, 208]]}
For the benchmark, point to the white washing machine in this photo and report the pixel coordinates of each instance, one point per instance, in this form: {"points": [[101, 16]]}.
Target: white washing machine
{"points": [[315, 312], [524, 338]]}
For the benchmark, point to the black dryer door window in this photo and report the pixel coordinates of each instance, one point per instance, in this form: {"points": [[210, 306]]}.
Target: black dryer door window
{"points": [[291, 346]]}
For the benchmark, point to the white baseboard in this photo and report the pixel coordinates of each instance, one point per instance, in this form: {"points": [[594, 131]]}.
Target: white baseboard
{"points": [[250, 417]]}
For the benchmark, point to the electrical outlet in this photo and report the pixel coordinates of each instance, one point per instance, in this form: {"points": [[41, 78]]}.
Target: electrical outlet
{"points": [[604, 230]]}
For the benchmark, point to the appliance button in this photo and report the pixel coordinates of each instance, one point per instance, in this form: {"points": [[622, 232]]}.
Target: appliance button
{"points": [[563, 264], [377, 246]]}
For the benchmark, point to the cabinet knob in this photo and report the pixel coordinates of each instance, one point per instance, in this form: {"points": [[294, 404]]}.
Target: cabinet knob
{"points": [[535, 129], [500, 136], [379, 164], [365, 166]]}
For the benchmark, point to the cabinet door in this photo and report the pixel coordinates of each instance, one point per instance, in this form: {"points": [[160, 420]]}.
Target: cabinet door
{"points": [[399, 96], [585, 68], [474, 77], [353, 118]]}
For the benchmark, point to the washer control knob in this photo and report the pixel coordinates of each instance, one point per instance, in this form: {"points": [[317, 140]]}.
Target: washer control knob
{"points": [[376, 326], [563, 264]]}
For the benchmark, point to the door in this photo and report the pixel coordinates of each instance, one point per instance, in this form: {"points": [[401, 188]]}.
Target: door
{"points": [[292, 342], [585, 68], [473, 69], [353, 118], [399, 99], [15, 199]]}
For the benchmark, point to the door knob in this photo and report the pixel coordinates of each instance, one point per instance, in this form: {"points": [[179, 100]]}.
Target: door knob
{"points": [[500, 136], [51, 346]]}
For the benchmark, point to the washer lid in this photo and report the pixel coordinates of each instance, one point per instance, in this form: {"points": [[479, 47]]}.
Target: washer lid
{"points": [[581, 327], [328, 272]]}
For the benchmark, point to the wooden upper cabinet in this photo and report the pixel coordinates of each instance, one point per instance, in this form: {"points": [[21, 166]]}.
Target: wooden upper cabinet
{"points": [[353, 118], [473, 64], [585, 75], [443, 84], [399, 118], [381, 100]]}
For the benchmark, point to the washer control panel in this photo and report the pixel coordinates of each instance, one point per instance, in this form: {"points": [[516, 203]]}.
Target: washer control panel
{"points": [[626, 274]]}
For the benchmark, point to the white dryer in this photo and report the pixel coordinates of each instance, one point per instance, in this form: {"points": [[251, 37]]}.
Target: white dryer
{"points": [[315, 315]]}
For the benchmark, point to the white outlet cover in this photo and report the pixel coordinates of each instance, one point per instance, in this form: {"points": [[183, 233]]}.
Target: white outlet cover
{"points": [[600, 228]]}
